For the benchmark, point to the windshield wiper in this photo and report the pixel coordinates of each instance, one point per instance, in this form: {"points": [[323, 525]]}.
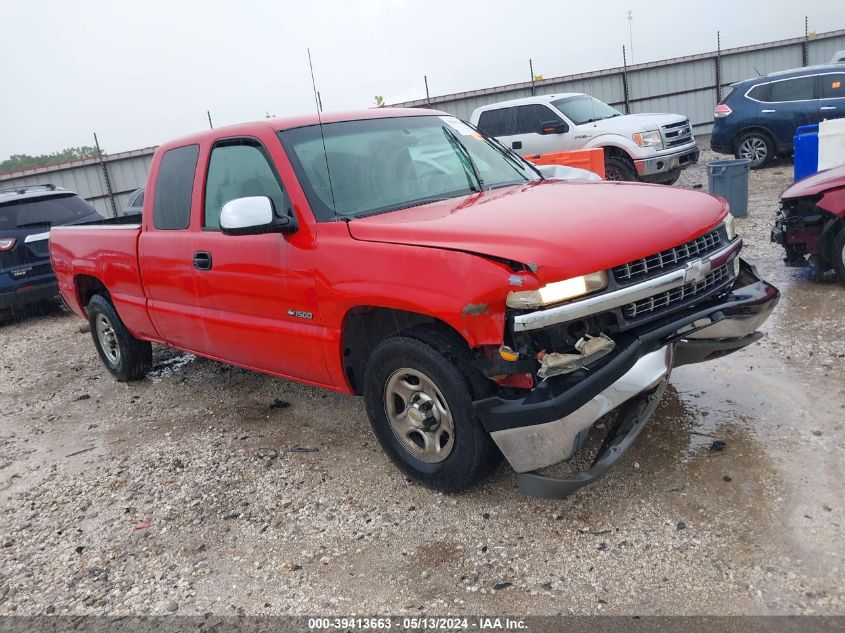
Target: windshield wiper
{"points": [[461, 148], [512, 156]]}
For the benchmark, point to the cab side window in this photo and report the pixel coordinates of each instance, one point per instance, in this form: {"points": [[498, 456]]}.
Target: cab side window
{"points": [[240, 168], [530, 118], [174, 188], [496, 122]]}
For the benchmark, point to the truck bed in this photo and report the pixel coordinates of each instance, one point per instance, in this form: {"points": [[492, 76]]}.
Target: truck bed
{"points": [[107, 253]]}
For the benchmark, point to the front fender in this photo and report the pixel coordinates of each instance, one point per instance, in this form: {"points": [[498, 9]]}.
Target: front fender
{"points": [[615, 140]]}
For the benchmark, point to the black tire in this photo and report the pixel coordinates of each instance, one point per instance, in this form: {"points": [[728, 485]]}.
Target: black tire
{"points": [[472, 455], [619, 168], [837, 255], [756, 146], [126, 357]]}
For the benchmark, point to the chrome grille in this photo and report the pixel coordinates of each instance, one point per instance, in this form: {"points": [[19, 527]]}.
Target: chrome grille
{"points": [[660, 301], [676, 134], [668, 259]]}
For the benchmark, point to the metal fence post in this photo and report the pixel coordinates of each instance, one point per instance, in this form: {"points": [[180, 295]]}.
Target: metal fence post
{"points": [[106, 176], [625, 81], [718, 66], [531, 68], [805, 46]]}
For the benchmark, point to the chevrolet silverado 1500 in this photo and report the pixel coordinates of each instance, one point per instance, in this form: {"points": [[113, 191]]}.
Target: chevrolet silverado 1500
{"points": [[481, 308]]}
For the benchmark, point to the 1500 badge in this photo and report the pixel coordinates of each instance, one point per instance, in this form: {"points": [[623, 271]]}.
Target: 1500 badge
{"points": [[299, 314]]}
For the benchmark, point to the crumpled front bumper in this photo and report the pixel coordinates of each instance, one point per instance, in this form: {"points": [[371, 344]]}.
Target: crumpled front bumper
{"points": [[542, 428]]}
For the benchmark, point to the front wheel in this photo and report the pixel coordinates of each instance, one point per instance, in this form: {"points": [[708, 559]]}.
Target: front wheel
{"points": [[420, 408], [619, 168], [126, 357]]}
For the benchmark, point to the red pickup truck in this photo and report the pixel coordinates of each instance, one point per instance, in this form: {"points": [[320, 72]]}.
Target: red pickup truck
{"points": [[481, 306]]}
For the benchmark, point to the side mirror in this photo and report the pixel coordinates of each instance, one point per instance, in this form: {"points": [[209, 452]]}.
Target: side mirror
{"points": [[253, 216], [554, 127]]}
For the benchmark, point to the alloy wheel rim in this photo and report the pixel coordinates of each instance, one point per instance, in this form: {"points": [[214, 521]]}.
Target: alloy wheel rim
{"points": [[419, 415], [754, 149], [108, 339]]}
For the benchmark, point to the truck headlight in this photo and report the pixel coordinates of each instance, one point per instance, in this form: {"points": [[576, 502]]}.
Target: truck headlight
{"points": [[651, 138], [558, 291], [729, 227]]}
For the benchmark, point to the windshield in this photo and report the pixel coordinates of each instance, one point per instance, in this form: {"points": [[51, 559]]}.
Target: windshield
{"points": [[585, 109], [382, 164], [45, 211]]}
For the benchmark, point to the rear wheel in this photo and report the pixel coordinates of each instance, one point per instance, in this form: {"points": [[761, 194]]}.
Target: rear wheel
{"points": [[126, 357], [619, 168], [419, 403], [756, 147]]}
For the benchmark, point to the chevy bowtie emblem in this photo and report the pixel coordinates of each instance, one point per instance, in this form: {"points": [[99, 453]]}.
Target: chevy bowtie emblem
{"points": [[697, 270]]}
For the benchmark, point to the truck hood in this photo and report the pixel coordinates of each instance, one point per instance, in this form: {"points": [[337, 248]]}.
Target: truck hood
{"points": [[632, 123], [816, 184], [563, 229]]}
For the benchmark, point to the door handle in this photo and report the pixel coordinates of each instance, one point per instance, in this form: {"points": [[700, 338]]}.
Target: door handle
{"points": [[827, 108], [768, 111], [516, 145], [202, 260]]}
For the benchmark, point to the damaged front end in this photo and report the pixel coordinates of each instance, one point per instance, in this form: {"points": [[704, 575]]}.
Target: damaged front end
{"points": [[615, 349], [810, 225]]}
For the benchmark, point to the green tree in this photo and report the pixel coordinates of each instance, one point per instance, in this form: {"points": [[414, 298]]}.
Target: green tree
{"points": [[379, 101], [16, 162]]}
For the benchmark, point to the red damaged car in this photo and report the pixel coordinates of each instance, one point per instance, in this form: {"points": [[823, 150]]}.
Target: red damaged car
{"points": [[811, 223], [482, 307]]}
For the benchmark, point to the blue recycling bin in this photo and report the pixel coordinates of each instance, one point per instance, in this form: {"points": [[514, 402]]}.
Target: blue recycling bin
{"points": [[806, 148]]}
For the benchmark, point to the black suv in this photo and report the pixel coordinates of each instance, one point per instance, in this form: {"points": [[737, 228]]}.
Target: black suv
{"points": [[758, 117], [26, 215]]}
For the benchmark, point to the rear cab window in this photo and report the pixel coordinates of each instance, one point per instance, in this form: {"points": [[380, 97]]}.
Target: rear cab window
{"points": [[174, 188]]}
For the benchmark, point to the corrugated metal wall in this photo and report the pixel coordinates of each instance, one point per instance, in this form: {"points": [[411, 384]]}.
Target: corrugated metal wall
{"points": [[127, 172], [683, 85]]}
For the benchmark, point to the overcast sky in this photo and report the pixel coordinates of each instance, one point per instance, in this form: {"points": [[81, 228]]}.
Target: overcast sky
{"points": [[141, 72]]}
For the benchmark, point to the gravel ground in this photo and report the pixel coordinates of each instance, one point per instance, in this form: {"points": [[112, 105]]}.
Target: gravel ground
{"points": [[186, 492]]}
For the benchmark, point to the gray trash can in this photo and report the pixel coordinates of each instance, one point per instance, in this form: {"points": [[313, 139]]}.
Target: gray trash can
{"points": [[729, 179]]}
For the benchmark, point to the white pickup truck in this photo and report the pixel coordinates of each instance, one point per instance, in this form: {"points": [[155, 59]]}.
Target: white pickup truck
{"points": [[647, 147]]}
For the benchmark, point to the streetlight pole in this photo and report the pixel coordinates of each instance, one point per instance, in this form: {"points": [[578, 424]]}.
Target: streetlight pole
{"points": [[631, 34]]}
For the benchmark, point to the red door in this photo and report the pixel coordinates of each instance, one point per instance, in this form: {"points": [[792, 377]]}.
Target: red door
{"points": [[257, 294]]}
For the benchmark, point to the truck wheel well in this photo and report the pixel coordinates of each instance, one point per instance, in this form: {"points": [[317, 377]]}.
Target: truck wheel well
{"points": [[87, 286], [364, 327], [612, 150]]}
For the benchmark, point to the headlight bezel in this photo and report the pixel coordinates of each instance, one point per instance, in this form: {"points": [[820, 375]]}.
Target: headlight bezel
{"points": [[650, 138], [558, 291]]}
